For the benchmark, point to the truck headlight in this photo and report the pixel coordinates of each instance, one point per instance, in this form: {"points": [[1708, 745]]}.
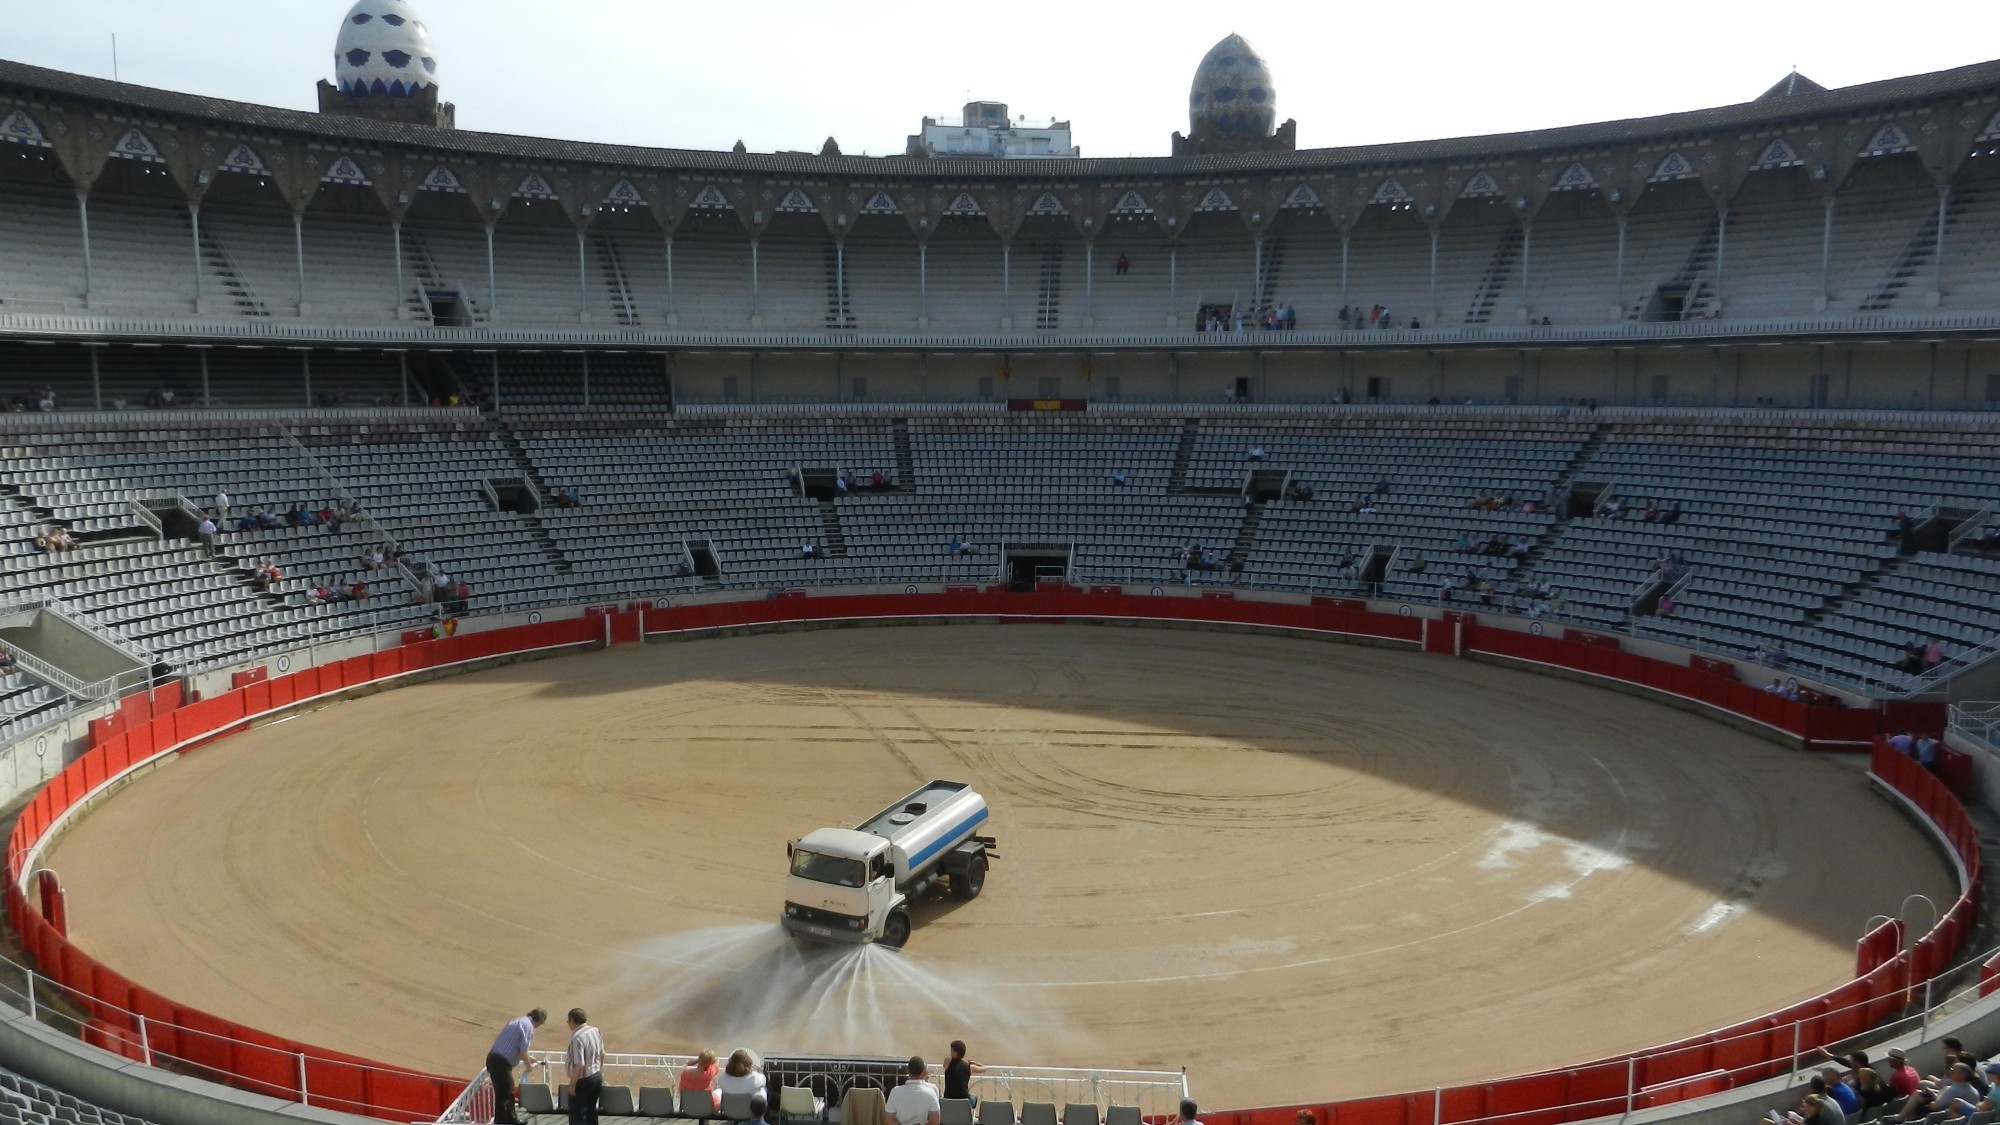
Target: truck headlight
{"points": [[854, 923], [791, 911]]}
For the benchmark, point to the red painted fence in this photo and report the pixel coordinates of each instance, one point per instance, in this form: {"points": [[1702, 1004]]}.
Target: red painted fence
{"points": [[147, 726]]}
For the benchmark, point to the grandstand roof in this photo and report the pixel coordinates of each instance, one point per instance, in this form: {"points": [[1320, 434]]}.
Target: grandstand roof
{"points": [[1803, 101], [1791, 86]]}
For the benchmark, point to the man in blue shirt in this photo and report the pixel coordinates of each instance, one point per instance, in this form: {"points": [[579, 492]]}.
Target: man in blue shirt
{"points": [[1838, 1089], [510, 1049]]}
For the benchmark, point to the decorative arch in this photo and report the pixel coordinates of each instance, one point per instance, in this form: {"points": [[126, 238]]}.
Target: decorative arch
{"points": [[18, 128], [1671, 167], [534, 186], [442, 179], [1482, 185], [136, 145], [244, 159]]}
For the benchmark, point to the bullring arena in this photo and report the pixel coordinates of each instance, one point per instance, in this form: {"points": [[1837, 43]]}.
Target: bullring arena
{"points": [[1482, 631], [1283, 864]]}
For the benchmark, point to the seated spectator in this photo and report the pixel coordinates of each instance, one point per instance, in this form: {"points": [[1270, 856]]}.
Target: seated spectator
{"points": [[1912, 660], [1777, 687], [915, 1102], [1256, 453], [700, 1075], [960, 549], [374, 560], [252, 520], [840, 483], [1119, 479], [267, 575], [1417, 566], [1299, 490], [1933, 654], [741, 1075], [877, 481], [1366, 508], [809, 550], [1925, 751], [441, 586], [461, 596]]}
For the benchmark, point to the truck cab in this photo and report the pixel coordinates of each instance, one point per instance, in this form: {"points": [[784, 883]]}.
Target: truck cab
{"points": [[842, 887]]}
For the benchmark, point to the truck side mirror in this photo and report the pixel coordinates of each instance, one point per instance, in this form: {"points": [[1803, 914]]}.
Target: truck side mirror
{"points": [[790, 847]]}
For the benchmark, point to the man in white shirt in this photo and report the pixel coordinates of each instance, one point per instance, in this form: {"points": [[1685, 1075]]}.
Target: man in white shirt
{"points": [[585, 1060], [915, 1102], [1187, 1116], [222, 503]]}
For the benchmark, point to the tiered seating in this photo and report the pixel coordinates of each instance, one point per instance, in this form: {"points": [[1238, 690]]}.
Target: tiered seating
{"points": [[1786, 530], [32, 1103], [649, 489], [1432, 471], [421, 480]]}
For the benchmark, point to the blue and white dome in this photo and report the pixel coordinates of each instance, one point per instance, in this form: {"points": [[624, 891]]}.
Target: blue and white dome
{"points": [[383, 51], [1233, 93]]}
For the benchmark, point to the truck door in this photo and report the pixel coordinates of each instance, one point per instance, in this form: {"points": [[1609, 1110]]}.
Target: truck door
{"points": [[881, 891]]}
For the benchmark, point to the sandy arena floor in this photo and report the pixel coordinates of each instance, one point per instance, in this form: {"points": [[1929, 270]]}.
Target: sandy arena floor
{"points": [[1302, 870]]}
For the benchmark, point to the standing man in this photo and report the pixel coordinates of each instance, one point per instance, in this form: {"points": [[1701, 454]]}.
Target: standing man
{"points": [[510, 1049], [586, 1069], [221, 503], [915, 1102], [1187, 1114]]}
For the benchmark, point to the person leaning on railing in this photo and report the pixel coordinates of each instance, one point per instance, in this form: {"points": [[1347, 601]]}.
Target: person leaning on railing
{"points": [[509, 1050]]}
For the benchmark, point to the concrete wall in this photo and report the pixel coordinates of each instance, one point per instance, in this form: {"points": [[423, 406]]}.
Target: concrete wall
{"points": [[74, 650]]}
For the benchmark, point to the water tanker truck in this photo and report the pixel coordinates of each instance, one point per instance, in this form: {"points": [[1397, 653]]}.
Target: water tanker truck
{"points": [[855, 885]]}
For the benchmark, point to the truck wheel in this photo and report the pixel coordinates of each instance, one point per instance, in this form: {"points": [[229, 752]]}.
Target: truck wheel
{"points": [[968, 884], [895, 930]]}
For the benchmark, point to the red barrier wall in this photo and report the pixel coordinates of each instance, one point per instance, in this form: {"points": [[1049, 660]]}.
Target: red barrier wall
{"points": [[146, 726]]}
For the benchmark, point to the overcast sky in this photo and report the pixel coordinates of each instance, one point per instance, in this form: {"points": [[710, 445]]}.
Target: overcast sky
{"points": [[786, 74]]}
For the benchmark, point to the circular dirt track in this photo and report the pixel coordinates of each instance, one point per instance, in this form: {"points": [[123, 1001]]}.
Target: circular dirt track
{"points": [[1302, 870]]}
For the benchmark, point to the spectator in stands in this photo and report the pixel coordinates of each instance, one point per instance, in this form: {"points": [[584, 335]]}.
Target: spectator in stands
{"points": [[759, 1106], [374, 560], [1123, 265], [509, 1050], [1256, 454], [961, 549], [221, 503], [268, 575], [1925, 751], [1902, 741], [1299, 490], [1186, 1116], [915, 1102], [1903, 1078], [809, 550], [1870, 1091], [1834, 1085], [840, 484], [1933, 653], [1902, 525], [1775, 687], [441, 586], [1943, 1093], [958, 1074], [584, 1061], [700, 1075], [741, 1075], [1119, 479], [566, 498], [461, 596], [251, 521], [7, 665], [205, 531]]}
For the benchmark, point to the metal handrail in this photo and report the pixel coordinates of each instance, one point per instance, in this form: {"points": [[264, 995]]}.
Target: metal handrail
{"points": [[1969, 527], [136, 651], [1979, 721]]}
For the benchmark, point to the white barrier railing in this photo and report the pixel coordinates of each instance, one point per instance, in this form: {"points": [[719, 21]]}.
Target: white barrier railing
{"points": [[1978, 721], [1156, 1093]]}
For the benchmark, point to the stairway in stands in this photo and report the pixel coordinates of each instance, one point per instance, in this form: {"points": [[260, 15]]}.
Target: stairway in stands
{"points": [[829, 521], [1499, 270], [1561, 485], [906, 457], [1918, 254], [221, 269], [1246, 534], [839, 312], [552, 551], [611, 263], [1270, 266], [1048, 296], [1695, 283], [1184, 454]]}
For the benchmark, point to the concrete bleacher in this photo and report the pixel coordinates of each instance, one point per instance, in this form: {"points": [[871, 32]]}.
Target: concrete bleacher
{"points": [[31, 1103], [1785, 531]]}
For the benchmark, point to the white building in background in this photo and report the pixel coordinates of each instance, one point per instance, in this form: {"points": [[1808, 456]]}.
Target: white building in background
{"points": [[986, 130]]}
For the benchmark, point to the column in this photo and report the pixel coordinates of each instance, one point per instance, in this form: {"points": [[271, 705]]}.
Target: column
{"points": [[1937, 251], [96, 378], [1432, 310], [1721, 246], [672, 311], [586, 380], [1622, 220], [492, 279], [582, 277], [194, 225], [83, 221], [402, 294], [1826, 257], [299, 248], [756, 286], [207, 399], [923, 278]]}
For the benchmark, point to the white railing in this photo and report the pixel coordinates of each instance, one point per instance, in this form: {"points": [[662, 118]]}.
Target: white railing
{"points": [[147, 517], [1977, 721], [130, 648], [110, 687], [1969, 527], [1156, 1093], [77, 325]]}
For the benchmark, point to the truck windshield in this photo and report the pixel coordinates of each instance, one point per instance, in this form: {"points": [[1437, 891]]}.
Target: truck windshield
{"points": [[838, 870]]}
